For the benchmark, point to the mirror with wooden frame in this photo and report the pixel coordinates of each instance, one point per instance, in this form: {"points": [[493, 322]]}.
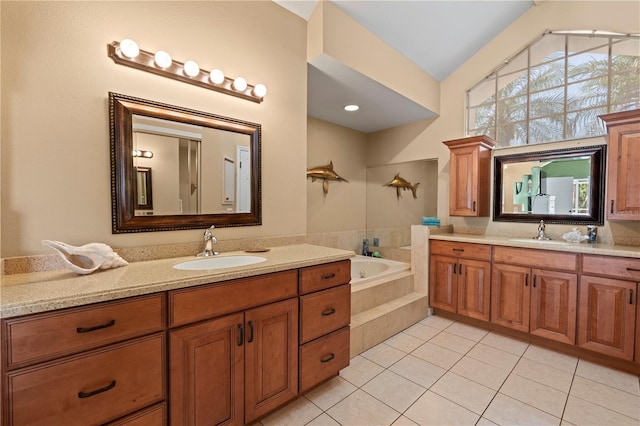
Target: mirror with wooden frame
{"points": [[206, 168]]}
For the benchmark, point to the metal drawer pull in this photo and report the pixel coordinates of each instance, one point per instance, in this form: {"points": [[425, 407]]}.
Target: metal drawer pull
{"points": [[633, 270], [328, 312], [250, 332], [326, 277], [97, 327], [328, 358], [241, 337], [97, 391], [458, 250]]}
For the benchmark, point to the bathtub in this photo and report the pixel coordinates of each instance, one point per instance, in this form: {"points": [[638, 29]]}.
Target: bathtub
{"points": [[364, 268]]}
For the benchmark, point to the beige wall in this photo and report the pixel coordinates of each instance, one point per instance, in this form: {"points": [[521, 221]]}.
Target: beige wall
{"points": [[423, 140], [55, 129]]}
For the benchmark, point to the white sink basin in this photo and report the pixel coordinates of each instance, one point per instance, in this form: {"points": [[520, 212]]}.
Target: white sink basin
{"points": [[206, 263], [534, 241]]}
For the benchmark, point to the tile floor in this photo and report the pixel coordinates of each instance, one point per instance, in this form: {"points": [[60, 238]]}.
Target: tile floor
{"points": [[441, 372]]}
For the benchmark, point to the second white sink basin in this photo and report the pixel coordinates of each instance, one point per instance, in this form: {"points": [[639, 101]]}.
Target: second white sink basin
{"points": [[533, 240], [203, 264]]}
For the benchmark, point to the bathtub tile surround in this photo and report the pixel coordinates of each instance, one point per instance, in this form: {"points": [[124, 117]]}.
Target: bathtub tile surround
{"points": [[390, 385]]}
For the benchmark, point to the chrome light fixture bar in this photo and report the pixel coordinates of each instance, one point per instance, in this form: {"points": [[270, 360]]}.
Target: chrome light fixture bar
{"points": [[127, 53]]}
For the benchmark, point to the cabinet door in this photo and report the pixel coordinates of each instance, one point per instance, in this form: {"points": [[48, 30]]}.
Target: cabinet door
{"points": [[207, 374], [607, 316], [510, 296], [271, 357], [443, 287], [474, 289], [463, 190], [553, 305], [624, 179]]}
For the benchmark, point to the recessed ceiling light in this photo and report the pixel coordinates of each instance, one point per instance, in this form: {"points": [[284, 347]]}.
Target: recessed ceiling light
{"points": [[351, 108]]}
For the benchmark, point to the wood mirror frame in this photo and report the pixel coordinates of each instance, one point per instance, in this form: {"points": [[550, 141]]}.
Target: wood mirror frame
{"points": [[123, 173], [595, 213]]}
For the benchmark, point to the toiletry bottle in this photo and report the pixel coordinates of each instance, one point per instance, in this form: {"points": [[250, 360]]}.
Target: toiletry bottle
{"points": [[592, 233], [365, 247]]}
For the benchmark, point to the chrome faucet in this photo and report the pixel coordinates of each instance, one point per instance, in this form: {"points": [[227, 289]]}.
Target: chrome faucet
{"points": [[541, 235], [209, 241]]}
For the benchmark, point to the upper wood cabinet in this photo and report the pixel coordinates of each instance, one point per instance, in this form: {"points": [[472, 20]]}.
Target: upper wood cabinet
{"points": [[623, 183], [470, 176]]}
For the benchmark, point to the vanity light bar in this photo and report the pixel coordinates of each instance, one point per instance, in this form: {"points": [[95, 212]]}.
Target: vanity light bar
{"points": [[127, 53]]}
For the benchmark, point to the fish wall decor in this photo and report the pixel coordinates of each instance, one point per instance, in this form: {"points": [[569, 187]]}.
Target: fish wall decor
{"points": [[400, 183], [325, 173]]}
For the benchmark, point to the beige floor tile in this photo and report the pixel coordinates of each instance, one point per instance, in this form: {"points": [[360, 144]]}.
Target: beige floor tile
{"points": [[453, 342], [581, 412], [493, 356], [383, 354], [614, 399], [323, 420], [504, 410], [418, 371], [462, 391], [360, 371], [467, 331], [432, 409], [405, 342], [544, 374], [616, 379], [299, 412], [437, 355], [480, 372], [485, 422], [507, 344], [331, 392], [404, 421], [360, 409], [535, 394], [566, 363], [394, 390], [437, 322], [421, 331]]}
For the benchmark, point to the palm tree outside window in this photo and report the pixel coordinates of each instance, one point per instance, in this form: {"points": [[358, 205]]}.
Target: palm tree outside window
{"points": [[556, 88]]}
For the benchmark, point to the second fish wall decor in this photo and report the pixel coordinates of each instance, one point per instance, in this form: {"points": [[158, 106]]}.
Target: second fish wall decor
{"points": [[401, 183]]}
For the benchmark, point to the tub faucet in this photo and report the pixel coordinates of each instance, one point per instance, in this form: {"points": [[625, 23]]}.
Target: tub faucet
{"points": [[209, 241], [541, 235]]}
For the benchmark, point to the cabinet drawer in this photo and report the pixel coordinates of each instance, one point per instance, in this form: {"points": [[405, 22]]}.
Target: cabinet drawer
{"points": [[314, 278], [324, 311], [466, 250], [532, 257], [89, 389], [610, 266], [323, 358], [46, 336], [152, 416], [213, 300]]}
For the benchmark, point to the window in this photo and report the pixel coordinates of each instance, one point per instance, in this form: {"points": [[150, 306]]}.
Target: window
{"points": [[556, 88]]}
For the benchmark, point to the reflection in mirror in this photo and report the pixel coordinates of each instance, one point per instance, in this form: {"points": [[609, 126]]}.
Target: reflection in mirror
{"points": [[559, 186], [206, 168]]}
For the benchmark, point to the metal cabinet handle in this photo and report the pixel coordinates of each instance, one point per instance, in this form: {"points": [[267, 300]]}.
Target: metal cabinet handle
{"points": [[526, 280], [97, 327], [534, 281], [328, 312], [631, 296], [250, 332], [241, 337], [474, 206], [97, 391], [460, 268], [611, 206], [328, 358], [326, 277]]}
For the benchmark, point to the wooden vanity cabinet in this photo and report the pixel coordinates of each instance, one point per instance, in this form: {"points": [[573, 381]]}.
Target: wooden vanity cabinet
{"points": [[623, 179], [539, 301], [459, 277], [87, 365], [608, 305], [470, 176], [325, 314], [238, 367]]}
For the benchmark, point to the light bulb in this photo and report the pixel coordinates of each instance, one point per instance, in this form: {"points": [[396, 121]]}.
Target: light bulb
{"points": [[351, 108], [162, 59], [216, 76], [260, 90], [191, 68], [129, 48], [147, 154], [240, 84]]}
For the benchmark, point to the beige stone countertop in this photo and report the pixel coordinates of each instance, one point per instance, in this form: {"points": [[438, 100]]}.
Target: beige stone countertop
{"points": [[29, 293], [557, 245]]}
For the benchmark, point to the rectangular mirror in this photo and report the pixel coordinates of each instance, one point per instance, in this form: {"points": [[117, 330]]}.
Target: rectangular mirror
{"points": [[558, 186], [206, 168]]}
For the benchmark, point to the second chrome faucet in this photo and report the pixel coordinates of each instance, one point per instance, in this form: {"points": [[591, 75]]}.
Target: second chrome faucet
{"points": [[209, 241]]}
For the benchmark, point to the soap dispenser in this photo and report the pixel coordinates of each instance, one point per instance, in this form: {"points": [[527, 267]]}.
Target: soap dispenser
{"points": [[365, 247]]}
